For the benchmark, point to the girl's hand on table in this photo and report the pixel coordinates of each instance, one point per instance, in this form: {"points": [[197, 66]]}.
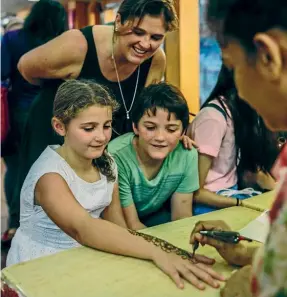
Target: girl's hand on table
{"points": [[239, 284], [198, 274]]}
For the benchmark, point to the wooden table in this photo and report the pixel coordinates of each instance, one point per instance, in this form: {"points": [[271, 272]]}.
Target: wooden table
{"points": [[261, 202], [89, 273]]}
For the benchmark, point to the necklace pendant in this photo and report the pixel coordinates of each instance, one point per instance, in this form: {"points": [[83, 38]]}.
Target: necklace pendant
{"points": [[128, 115]]}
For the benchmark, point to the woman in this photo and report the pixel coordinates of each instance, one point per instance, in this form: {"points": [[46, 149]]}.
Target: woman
{"points": [[253, 38], [124, 57], [229, 166], [46, 20]]}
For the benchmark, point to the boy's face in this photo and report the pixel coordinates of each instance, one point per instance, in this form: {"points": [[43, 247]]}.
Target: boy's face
{"points": [[159, 134]]}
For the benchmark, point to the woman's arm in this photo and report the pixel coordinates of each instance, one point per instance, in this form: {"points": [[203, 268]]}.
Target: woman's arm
{"points": [[205, 196], [157, 68], [61, 58], [114, 212]]}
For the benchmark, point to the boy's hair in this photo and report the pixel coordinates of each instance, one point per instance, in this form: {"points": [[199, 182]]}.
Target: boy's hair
{"points": [[165, 96], [131, 9], [242, 19], [72, 97]]}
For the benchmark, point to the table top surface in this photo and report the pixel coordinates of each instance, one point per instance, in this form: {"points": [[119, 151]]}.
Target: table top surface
{"points": [[86, 272], [260, 202]]}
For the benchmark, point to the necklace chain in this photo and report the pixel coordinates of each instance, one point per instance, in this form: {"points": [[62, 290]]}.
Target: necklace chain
{"points": [[120, 87]]}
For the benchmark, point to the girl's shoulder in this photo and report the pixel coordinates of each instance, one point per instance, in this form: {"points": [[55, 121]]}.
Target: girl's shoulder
{"points": [[50, 162], [218, 106]]}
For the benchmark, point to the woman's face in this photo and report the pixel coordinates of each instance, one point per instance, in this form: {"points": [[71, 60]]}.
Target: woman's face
{"points": [[258, 86], [138, 41]]}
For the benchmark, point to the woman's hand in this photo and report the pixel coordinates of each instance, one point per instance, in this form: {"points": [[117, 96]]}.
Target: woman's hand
{"points": [[195, 273], [232, 253], [187, 142], [239, 284]]}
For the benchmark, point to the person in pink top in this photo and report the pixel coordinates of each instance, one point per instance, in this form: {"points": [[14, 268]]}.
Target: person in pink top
{"points": [[229, 165]]}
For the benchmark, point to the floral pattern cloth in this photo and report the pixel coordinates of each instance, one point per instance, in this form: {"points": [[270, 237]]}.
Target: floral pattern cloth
{"points": [[269, 277]]}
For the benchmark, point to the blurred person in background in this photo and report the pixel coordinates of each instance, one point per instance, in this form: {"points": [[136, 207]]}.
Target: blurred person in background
{"points": [[14, 24], [46, 20]]}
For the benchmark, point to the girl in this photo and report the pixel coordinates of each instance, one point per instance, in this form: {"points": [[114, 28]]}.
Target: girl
{"points": [[236, 150], [70, 196]]}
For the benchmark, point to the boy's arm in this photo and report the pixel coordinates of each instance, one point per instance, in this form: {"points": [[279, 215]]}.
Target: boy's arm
{"points": [[132, 218], [181, 206], [126, 198]]}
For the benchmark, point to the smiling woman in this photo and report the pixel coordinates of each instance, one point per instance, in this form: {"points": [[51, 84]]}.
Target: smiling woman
{"points": [[125, 58]]}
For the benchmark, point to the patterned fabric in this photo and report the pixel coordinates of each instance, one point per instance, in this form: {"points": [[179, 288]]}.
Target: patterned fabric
{"points": [[270, 267], [38, 235]]}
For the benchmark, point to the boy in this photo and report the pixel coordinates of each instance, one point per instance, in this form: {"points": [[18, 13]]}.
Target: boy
{"points": [[157, 176]]}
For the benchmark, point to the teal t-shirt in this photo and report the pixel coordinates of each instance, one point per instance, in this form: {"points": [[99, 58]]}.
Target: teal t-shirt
{"points": [[178, 174]]}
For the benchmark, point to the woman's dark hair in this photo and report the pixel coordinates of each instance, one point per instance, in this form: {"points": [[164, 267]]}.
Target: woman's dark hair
{"points": [[131, 9], [243, 19], [46, 20], [256, 146], [165, 96]]}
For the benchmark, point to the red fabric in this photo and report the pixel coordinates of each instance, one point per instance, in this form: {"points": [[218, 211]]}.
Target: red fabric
{"points": [[8, 292], [281, 195], [4, 113]]}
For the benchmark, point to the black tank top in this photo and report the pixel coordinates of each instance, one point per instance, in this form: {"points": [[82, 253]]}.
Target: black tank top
{"points": [[38, 130], [91, 70]]}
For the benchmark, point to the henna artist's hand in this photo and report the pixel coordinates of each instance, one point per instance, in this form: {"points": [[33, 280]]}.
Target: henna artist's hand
{"points": [[195, 273], [187, 142], [233, 253]]}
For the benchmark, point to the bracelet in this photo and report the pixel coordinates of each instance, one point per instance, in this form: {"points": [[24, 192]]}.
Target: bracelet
{"points": [[165, 246]]}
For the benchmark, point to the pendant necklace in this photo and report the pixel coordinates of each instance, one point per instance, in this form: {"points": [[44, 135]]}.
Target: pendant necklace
{"points": [[120, 87]]}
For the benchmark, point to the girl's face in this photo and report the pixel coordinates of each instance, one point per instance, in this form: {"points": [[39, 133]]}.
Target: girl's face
{"points": [[139, 41], [158, 135], [90, 131], [260, 81]]}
